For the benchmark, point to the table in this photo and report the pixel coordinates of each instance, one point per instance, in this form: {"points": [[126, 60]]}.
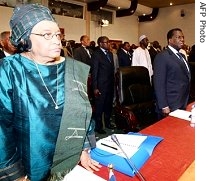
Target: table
{"points": [[171, 157], [189, 174]]}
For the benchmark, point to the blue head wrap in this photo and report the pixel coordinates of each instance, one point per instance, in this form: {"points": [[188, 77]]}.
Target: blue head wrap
{"points": [[24, 18]]}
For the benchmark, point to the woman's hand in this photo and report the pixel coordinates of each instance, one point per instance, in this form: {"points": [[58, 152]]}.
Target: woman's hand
{"points": [[88, 163]]}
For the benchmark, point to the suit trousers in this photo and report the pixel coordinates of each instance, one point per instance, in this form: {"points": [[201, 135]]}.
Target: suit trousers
{"points": [[103, 104]]}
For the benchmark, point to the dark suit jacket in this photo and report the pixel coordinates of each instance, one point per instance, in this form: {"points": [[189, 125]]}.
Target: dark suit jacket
{"points": [[171, 81], [152, 53], [102, 72], [123, 58], [2, 55], [81, 54]]}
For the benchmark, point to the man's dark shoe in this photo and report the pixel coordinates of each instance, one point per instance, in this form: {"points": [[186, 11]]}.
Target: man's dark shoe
{"points": [[100, 131]]}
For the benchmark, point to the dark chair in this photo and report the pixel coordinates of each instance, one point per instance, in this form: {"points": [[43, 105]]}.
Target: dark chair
{"points": [[135, 106]]}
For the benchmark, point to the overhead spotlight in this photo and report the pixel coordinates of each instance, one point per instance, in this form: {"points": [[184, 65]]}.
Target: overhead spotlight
{"points": [[104, 22]]}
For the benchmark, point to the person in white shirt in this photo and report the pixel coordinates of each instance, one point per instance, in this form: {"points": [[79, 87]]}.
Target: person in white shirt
{"points": [[141, 56]]}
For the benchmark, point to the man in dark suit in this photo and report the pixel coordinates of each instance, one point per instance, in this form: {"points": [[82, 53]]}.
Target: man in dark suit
{"points": [[154, 50], [7, 47], [83, 53], [124, 55], [171, 76], [103, 83]]}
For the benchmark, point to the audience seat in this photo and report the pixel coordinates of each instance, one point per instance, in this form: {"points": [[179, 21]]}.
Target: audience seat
{"points": [[135, 105]]}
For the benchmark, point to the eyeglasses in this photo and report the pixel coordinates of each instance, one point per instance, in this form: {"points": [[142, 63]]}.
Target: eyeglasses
{"points": [[49, 36]]}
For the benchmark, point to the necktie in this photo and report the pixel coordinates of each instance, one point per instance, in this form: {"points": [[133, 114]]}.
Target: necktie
{"points": [[88, 52], [180, 56], [182, 59], [129, 55], [107, 55]]}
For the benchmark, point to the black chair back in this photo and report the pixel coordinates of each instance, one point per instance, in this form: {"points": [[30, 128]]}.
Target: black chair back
{"points": [[133, 85], [135, 103]]}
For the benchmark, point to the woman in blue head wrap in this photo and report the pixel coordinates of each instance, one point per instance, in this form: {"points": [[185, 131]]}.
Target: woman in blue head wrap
{"points": [[44, 108]]}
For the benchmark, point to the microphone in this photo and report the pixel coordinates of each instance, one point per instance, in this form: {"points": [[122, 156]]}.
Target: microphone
{"points": [[132, 165]]}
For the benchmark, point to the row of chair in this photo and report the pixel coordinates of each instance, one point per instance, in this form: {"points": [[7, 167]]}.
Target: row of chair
{"points": [[135, 101]]}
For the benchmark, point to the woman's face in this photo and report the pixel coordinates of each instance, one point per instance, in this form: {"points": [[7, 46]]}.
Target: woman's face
{"points": [[49, 46]]}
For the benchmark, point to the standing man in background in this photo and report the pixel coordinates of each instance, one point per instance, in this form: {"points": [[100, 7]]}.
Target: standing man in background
{"points": [[155, 48], [124, 55], [7, 47], [83, 53], [103, 83], [141, 56], [171, 76]]}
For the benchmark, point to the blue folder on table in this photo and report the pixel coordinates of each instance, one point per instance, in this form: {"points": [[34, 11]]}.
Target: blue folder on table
{"points": [[120, 163]]}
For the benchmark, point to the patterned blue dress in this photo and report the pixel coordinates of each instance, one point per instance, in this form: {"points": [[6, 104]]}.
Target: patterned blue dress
{"points": [[29, 122]]}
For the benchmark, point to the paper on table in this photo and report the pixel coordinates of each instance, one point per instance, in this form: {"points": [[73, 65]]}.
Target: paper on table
{"points": [[181, 114], [129, 143], [80, 173], [143, 153]]}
